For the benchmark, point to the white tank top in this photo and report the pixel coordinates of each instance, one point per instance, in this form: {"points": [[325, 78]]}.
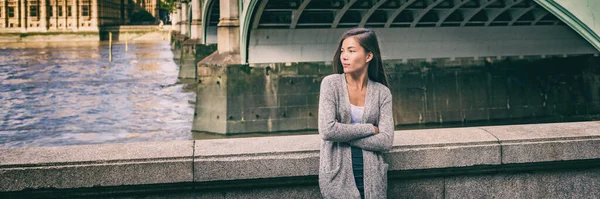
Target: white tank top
{"points": [[356, 113]]}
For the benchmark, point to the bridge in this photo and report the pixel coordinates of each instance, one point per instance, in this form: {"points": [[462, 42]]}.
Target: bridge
{"points": [[307, 31], [273, 53]]}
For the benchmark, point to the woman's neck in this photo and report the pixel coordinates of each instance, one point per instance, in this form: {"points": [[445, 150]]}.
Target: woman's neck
{"points": [[356, 81]]}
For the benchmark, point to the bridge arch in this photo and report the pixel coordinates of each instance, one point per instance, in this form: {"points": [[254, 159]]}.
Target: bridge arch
{"points": [[579, 15], [279, 28], [210, 19]]}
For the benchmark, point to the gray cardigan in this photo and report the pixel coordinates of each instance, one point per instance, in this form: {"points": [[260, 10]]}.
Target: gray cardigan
{"points": [[336, 179]]}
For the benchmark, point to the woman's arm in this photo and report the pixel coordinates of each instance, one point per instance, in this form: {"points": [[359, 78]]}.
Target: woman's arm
{"points": [[329, 128], [384, 139]]}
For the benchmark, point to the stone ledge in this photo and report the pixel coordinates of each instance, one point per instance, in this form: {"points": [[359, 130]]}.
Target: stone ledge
{"points": [[96, 165], [291, 157]]}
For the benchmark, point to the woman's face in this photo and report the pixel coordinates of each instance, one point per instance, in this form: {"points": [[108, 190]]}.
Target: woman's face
{"points": [[354, 57]]}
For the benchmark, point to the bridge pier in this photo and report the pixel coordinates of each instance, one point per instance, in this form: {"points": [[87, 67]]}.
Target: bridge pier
{"points": [[193, 52], [184, 18], [235, 99], [196, 25], [175, 18], [228, 29]]}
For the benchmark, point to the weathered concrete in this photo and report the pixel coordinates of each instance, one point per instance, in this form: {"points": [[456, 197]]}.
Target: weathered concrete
{"points": [[229, 28], [428, 149], [196, 24], [191, 53], [284, 97], [442, 163], [255, 99], [525, 143], [184, 19], [96, 165], [536, 184]]}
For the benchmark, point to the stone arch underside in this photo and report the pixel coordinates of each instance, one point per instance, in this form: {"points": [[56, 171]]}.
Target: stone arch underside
{"points": [[308, 30], [210, 14]]}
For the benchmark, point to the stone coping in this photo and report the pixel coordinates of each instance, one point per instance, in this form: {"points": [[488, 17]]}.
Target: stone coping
{"points": [[222, 160]]}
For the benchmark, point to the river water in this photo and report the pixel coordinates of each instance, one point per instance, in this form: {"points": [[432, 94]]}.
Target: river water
{"points": [[54, 94]]}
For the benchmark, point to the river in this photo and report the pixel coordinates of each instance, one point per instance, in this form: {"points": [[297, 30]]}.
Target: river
{"points": [[69, 93]]}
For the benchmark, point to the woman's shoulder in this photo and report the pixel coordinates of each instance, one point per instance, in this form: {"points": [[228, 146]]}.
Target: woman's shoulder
{"points": [[382, 88], [331, 80]]}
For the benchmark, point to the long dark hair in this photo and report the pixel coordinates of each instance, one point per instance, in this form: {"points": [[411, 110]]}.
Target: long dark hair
{"points": [[368, 40]]}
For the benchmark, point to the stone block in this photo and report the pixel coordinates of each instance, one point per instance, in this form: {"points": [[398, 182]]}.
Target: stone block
{"points": [[312, 111], [261, 113], [450, 116], [295, 112], [210, 121], [290, 124], [405, 117], [296, 85], [564, 184], [264, 158], [308, 68], [419, 149], [299, 192], [416, 188], [248, 126], [105, 165], [313, 123], [187, 69], [312, 98], [476, 114], [548, 142], [298, 99]]}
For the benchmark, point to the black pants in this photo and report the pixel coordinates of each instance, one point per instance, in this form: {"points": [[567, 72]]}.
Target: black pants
{"points": [[358, 170]]}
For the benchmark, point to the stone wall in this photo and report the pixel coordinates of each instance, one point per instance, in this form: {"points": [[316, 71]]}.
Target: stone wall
{"points": [[48, 37], [260, 99], [534, 89], [560, 160], [284, 97]]}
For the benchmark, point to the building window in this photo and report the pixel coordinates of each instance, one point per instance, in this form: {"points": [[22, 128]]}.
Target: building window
{"points": [[60, 11], [50, 13], [69, 11], [11, 12], [33, 11], [85, 11]]}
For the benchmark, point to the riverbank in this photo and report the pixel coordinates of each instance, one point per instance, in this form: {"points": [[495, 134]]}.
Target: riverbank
{"points": [[49, 37], [119, 33]]}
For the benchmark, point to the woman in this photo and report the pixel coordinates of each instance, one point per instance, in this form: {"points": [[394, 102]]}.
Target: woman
{"points": [[355, 120]]}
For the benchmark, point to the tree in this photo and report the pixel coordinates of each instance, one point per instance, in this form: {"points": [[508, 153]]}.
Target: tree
{"points": [[168, 5]]}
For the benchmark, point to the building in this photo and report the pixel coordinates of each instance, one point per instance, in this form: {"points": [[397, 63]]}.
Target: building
{"points": [[69, 15]]}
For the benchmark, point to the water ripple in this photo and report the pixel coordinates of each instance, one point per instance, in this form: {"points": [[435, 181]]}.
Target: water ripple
{"points": [[70, 93]]}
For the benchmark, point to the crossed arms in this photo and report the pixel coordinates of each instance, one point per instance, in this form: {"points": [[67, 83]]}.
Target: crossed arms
{"points": [[357, 135]]}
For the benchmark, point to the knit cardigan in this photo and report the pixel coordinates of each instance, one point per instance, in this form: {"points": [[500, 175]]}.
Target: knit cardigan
{"points": [[336, 179]]}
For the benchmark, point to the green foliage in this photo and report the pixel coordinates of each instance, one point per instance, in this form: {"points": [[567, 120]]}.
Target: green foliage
{"points": [[168, 5], [141, 16]]}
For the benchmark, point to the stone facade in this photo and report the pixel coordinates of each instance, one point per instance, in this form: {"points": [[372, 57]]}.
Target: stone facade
{"points": [[442, 92], [68, 15]]}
